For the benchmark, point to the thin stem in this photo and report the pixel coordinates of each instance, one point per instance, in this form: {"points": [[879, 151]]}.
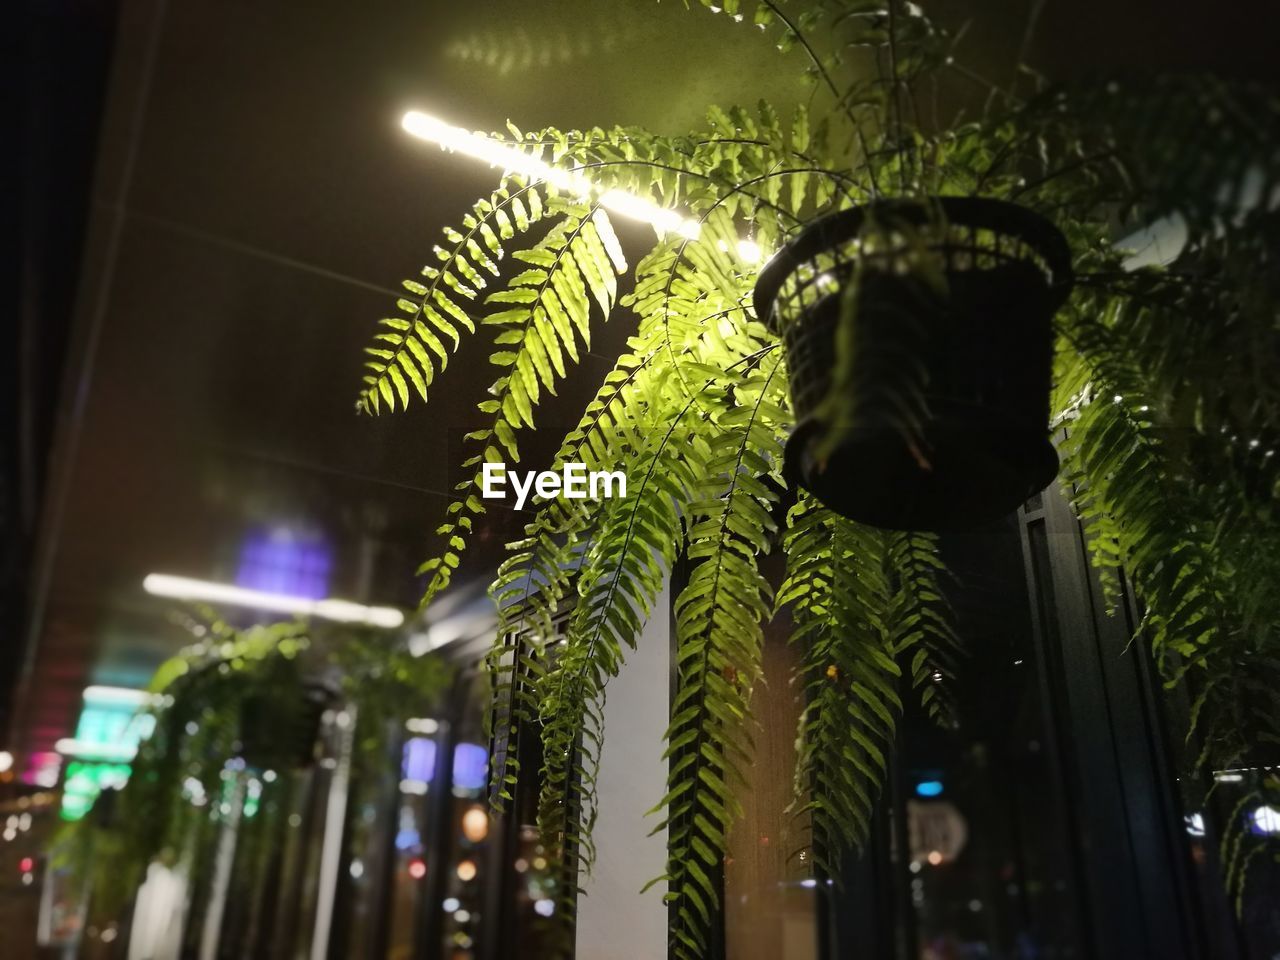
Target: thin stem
{"points": [[1024, 48], [894, 96], [671, 272], [831, 85], [1063, 170]]}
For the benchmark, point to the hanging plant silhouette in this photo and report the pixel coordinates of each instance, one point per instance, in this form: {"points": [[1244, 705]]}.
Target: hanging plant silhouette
{"points": [[1163, 386]]}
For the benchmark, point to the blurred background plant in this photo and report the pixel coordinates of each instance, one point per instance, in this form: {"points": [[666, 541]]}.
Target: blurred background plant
{"points": [[230, 717]]}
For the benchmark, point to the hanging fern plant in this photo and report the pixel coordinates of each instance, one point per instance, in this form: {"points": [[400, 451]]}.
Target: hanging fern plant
{"points": [[1160, 381], [226, 709]]}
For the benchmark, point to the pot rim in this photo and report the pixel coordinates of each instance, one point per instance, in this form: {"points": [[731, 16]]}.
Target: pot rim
{"points": [[982, 213]]}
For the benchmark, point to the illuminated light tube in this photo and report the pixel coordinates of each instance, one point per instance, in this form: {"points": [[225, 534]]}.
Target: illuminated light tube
{"points": [[343, 611], [637, 208], [92, 750], [493, 152], [506, 157], [125, 696], [750, 251]]}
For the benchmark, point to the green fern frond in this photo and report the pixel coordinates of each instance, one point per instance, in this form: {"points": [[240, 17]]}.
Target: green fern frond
{"points": [[864, 603], [840, 595], [414, 345], [1138, 518], [620, 577], [920, 625], [534, 578], [718, 646], [546, 311], [534, 581]]}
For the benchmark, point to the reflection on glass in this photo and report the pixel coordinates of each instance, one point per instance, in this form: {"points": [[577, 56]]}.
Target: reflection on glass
{"points": [[412, 856], [986, 831], [462, 893], [770, 895], [1212, 831]]}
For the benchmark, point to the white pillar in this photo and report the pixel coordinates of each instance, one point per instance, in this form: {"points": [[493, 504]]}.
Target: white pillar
{"points": [[614, 921], [211, 935], [335, 819]]}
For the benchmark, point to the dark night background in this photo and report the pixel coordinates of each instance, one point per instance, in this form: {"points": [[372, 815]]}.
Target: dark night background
{"points": [[213, 204]]}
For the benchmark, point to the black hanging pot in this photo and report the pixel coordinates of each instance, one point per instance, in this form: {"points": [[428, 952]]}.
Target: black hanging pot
{"points": [[947, 343], [279, 729]]}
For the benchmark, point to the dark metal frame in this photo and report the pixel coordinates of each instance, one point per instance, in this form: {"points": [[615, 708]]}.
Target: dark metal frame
{"points": [[1110, 723]]}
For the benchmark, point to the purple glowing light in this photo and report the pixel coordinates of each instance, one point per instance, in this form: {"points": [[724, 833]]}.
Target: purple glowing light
{"points": [[43, 768], [470, 766], [280, 560], [419, 761]]}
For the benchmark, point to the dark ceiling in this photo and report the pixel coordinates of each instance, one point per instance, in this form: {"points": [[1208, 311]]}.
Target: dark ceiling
{"points": [[253, 207]]}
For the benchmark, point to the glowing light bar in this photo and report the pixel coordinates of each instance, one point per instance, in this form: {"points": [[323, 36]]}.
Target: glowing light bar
{"points": [[124, 696], [91, 750], [748, 251], [505, 157], [493, 152], [637, 208], [343, 611]]}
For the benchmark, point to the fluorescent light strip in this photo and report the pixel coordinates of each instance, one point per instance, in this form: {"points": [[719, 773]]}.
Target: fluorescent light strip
{"points": [[125, 696], [91, 750], [506, 157], [343, 611]]}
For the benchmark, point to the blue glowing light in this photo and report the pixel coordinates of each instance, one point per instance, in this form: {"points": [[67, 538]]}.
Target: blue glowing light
{"points": [[929, 788], [470, 766], [407, 839], [419, 760]]}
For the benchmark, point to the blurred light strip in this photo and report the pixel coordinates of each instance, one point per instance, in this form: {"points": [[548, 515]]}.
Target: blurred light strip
{"points": [[506, 157], [124, 696], [343, 611], [92, 750]]}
